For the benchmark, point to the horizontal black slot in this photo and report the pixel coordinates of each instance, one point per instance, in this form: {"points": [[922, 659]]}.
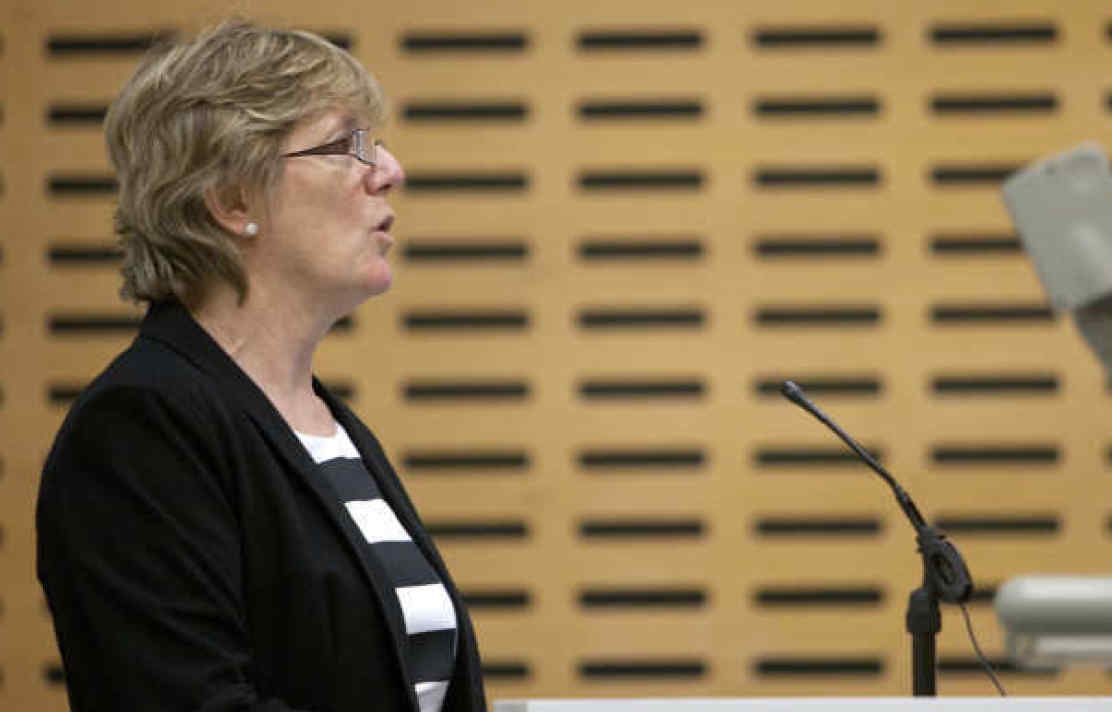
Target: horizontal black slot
{"points": [[641, 109], [60, 255], [478, 251], [344, 324], [989, 174], [823, 177], [818, 596], [477, 530], [811, 456], [818, 316], [342, 40], [604, 249], [469, 42], [76, 114], [439, 111], [975, 244], [995, 33], [1031, 384], [466, 391], [983, 593], [467, 182], [971, 525], [92, 324], [817, 526], [73, 185], [642, 669], [640, 180], [993, 104], [824, 385], [989, 314], [490, 600], [54, 674], [344, 390], [466, 320], [994, 454], [641, 528], [955, 665], [645, 318], [640, 389], [807, 666], [642, 598], [647, 457], [107, 44], [819, 246], [63, 393], [816, 106], [466, 460], [505, 670], [816, 36], [601, 40]]}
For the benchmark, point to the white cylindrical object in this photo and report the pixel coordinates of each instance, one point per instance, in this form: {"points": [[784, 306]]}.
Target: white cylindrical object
{"points": [[1056, 605]]}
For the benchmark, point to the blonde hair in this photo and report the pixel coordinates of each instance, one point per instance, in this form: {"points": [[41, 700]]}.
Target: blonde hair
{"points": [[210, 114]]}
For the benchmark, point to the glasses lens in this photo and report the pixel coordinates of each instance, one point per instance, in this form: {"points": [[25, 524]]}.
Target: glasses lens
{"points": [[357, 150], [372, 152]]}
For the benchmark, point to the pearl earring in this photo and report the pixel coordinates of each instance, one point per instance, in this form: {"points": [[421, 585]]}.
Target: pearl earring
{"points": [[251, 229]]}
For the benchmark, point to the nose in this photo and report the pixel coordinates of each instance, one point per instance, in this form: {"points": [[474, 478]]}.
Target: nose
{"points": [[386, 174]]}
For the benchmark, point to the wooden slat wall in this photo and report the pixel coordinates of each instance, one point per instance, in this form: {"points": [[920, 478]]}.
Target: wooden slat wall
{"points": [[625, 223]]}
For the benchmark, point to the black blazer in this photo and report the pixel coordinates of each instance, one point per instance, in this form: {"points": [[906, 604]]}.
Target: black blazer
{"points": [[194, 559]]}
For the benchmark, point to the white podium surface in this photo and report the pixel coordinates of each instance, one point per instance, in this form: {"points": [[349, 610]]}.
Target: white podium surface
{"points": [[789, 704]]}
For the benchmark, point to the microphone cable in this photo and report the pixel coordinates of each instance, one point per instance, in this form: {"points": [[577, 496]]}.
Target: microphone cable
{"points": [[981, 656]]}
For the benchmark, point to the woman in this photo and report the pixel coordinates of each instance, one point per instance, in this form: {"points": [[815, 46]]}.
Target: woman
{"points": [[216, 530]]}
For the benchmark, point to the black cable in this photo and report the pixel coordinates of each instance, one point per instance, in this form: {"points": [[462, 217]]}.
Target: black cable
{"points": [[981, 656]]}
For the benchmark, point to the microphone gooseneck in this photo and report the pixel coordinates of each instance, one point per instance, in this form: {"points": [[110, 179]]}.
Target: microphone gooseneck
{"points": [[944, 569], [794, 393]]}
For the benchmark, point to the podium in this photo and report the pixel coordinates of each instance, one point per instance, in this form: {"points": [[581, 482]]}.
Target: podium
{"points": [[814, 704]]}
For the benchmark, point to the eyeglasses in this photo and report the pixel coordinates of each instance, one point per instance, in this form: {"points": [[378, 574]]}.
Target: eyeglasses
{"points": [[355, 144]]}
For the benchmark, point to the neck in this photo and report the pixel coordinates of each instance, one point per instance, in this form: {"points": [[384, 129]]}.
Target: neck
{"points": [[273, 339]]}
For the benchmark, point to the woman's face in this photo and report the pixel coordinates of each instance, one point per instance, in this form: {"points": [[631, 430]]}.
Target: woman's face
{"points": [[326, 232]]}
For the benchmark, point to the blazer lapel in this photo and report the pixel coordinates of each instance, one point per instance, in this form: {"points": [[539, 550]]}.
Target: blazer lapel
{"points": [[377, 463], [376, 460], [285, 441], [173, 325]]}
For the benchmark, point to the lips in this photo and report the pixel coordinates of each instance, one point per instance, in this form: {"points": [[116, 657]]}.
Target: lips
{"points": [[385, 224]]}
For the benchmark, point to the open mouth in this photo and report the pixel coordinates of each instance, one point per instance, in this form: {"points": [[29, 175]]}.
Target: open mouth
{"points": [[385, 224]]}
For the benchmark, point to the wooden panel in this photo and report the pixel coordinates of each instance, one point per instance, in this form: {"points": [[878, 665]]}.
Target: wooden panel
{"points": [[576, 376]]}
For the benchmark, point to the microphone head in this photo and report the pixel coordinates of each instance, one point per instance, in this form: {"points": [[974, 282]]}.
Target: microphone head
{"points": [[792, 391]]}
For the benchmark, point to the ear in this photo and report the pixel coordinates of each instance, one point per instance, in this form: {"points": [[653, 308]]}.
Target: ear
{"points": [[229, 207]]}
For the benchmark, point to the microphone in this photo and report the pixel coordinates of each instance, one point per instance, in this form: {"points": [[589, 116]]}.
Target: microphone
{"points": [[945, 576], [944, 566]]}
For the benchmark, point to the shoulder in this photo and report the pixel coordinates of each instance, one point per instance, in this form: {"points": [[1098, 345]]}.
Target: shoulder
{"points": [[150, 401], [149, 374]]}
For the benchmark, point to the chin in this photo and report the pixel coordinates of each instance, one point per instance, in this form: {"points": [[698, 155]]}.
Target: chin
{"points": [[378, 281], [380, 287]]}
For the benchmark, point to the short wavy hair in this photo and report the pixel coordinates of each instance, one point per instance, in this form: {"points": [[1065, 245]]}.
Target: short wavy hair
{"points": [[210, 114]]}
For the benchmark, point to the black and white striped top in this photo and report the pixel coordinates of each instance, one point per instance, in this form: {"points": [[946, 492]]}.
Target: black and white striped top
{"points": [[430, 618]]}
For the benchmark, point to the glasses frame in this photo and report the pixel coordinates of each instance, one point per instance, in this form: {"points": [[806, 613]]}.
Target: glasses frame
{"points": [[355, 144]]}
